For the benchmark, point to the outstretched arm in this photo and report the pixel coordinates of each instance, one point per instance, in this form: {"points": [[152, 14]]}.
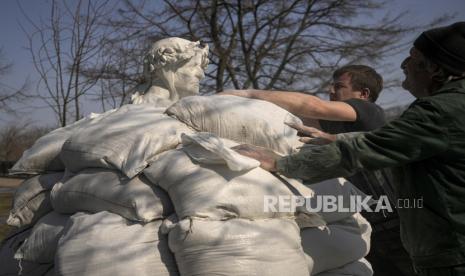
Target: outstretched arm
{"points": [[418, 134], [300, 104], [312, 135]]}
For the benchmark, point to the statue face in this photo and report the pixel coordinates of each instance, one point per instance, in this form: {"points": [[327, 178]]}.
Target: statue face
{"points": [[179, 64], [187, 77]]}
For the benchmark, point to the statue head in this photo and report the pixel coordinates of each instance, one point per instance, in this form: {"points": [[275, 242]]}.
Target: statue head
{"points": [[178, 63]]}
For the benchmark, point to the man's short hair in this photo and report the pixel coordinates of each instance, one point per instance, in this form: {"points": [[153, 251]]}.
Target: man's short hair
{"points": [[362, 76]]}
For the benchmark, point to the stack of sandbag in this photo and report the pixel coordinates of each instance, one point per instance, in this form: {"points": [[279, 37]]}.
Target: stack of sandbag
{"points": [[222, 227], [52, 242], [121, 222], [101, 188], [261, 123], [219, 202], [198, 206], [29, 250]]}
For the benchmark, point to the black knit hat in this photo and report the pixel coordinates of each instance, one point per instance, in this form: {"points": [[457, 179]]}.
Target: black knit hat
{"points": [[445, 46]]}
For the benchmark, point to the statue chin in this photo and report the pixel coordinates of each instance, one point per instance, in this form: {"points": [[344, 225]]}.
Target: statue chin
{"points": [[191, 91], [150, 98]]}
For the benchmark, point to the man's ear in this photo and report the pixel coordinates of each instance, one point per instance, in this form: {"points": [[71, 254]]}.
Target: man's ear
{"points": [[365, 93], [436, 73]]}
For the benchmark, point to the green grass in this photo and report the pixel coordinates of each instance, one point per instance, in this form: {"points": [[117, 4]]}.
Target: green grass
{"points": [[5, 206]]}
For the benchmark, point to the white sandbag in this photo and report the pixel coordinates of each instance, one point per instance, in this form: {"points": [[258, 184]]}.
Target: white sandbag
{"points": [[96, 190], [208, 148], [32, 199], [125, 140], [9, 266], [44, 155], [238, 247], [107, 244], [214, 191], [242, 120], [358, 268], [345, 193], [338, 244], [41, 245]]}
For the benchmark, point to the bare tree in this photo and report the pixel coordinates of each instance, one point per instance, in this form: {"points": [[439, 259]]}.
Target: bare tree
{"points": [[16, 138], [69, 40], [285, 45], [8, 94], [270, 44], [119, 70], [121, 61]]}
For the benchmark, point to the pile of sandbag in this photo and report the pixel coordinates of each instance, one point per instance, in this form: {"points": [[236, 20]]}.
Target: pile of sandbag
{"points": [[140, 190], [221, 226]]}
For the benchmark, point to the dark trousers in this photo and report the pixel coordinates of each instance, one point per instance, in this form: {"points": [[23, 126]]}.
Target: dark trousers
{"points": [[443, 271], [387, 255]]}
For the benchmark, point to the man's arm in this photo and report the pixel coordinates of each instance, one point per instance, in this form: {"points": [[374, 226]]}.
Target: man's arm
{"points": [[347, 135], [312, 135], [419, 133], [300, 104]]}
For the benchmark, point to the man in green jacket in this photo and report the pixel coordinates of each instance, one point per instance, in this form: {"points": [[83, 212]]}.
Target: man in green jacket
{"points": [[428, 144]]}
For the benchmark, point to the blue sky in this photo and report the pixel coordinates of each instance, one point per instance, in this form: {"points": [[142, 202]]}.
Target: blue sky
{"points": [[13, 43]]}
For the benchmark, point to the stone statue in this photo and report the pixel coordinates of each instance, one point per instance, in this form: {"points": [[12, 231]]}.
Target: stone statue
{"points": [[173, 68]]}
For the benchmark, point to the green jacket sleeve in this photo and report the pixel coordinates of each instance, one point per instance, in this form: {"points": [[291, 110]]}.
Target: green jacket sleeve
{"points": [[419, 133]]}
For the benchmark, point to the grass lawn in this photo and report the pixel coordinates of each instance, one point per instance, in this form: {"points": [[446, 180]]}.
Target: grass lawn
{"points": [[5, 205]]}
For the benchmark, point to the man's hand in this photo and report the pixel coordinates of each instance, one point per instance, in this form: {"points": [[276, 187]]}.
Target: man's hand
{"points": [[240, 93], [314, 135], [266, 157]]}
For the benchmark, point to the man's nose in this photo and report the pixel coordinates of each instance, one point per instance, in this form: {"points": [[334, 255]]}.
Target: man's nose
{"points": [[404, 63], [331, 90]]}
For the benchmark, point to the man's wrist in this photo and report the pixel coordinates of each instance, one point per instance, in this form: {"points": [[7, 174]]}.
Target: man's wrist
{"points": [[253, 94], [281, 164], [331, 137]]}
